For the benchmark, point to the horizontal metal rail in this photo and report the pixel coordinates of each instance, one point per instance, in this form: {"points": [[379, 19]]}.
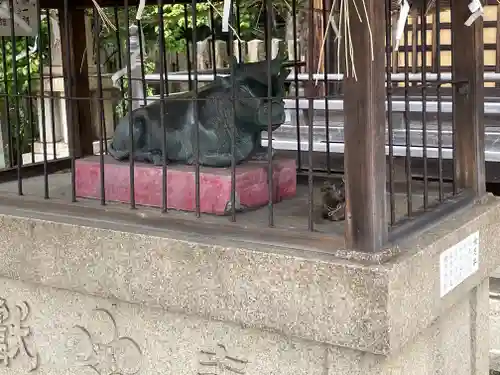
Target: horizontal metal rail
{"points": [[397, 105], [416, 151], [397, 77]]}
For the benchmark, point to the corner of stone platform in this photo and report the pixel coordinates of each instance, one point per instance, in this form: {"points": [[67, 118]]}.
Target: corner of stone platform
{"points": [[292, 312]]}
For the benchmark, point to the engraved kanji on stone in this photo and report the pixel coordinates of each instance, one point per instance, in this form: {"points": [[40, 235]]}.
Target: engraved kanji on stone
{"points": [[15, 334], [104, 350], [218, 362]]}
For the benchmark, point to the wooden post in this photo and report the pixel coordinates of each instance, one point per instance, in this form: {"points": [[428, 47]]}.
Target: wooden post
{"points": [[364, 129], [468, 109], [79, 115]]}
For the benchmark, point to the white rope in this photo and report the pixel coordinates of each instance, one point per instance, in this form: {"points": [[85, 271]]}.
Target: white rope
{"points": [[476, 9], [400, 25], [140, 10]]}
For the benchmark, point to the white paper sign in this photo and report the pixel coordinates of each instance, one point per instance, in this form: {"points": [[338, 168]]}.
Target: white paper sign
{"points": [[458, 263], [25, 18]]}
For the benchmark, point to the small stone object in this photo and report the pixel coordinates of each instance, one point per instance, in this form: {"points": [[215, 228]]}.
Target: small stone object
{"points": [[332, 201]]}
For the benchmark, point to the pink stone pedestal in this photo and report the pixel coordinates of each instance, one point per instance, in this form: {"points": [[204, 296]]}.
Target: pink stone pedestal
{"points": [[215, 184]]}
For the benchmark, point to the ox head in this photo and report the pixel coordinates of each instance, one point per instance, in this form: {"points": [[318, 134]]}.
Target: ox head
{"points": [[254, 108]]}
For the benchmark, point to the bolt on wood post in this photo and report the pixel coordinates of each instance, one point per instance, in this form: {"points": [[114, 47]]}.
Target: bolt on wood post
{"points": [[468, 108], [364, 129]]}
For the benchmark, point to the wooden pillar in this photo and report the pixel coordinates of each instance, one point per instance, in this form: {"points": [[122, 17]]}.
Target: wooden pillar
{"points": [[468, 109], [76, 78], [364, 129]]}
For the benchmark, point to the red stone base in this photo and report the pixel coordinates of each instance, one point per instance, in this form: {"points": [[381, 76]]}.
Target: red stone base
{"points": [[215, 184]]}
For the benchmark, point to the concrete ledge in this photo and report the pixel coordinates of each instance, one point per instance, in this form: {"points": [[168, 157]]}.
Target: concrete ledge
{"points": [[376, 308], [71, 331]]}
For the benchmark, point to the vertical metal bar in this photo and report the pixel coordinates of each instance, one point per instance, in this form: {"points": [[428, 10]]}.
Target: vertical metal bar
{"points": [[163, 73], [233, 111], [51, 85], [188, 52], [408, 172], [7, 103], [195, 110], [16, 101], [296, 82], [423, 29], [42, 104], [454, 142], [212, 49], [269, 57], [238, 29], [30, 102], [69, 81], [143, 71], [100, 106], [437, 59], [130, 114], [326, 56], [120, 60], [310, 117], [388, 88]]}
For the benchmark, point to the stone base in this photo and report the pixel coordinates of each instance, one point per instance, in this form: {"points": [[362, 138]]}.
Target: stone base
{"points": [[215, 184], [88, 295]]}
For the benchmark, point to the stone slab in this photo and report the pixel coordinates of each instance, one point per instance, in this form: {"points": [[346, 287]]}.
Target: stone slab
{"points": [[252, 189], [372, 307], [74, 334]]}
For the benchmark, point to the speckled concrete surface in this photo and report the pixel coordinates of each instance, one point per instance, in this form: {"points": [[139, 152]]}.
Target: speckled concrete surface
{"points": [[378, 311]]}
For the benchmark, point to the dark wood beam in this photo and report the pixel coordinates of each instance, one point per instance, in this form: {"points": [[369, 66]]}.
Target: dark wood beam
{"points": [[468, 111], [75, 69], [364, 111]]}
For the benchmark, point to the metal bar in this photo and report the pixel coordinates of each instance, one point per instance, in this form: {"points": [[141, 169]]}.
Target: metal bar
{"points": [[412, 77], [129, 102], [491, 108], [437, 60], [7, 103], [233, 112], [51, 87], [188, 52], [16, 102], [326, 56], [164, 182], [100, 105], [118, 41], [388, 88], [423, 37], [69, 76], [296, 82], [42, 106], [31, 119], [195, 109], [268, 37], [310, 105], [408, 170]]}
